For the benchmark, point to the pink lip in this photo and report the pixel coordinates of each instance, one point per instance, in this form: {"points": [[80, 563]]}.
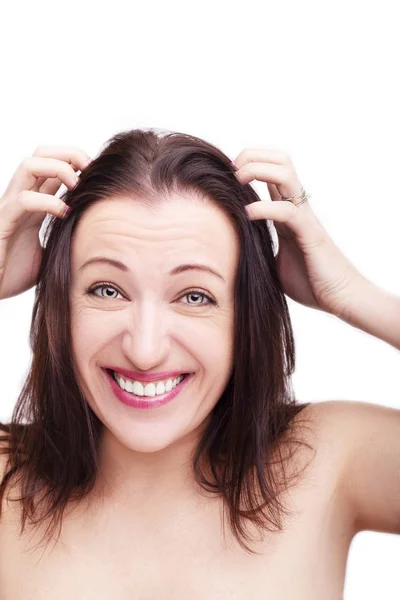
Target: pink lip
{"points": [[141, 401], [151, 377]]}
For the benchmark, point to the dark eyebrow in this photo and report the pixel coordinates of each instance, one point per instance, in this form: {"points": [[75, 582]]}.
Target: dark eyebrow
{"points": [[103, 259], [195, 267], [175, 271]]}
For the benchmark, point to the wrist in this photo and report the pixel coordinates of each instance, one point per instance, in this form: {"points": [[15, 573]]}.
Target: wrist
{"points": [[350, 309], [373, 310]]}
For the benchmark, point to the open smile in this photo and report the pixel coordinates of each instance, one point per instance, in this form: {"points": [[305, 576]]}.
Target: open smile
{"points": [[150, 395]]}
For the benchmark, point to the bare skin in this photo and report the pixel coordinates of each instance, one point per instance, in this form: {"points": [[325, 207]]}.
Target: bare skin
{"points": [[171, 544], [177, 549]]}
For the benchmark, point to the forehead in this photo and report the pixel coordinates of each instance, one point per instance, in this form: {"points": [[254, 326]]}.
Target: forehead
{"points": [[176, 228]]}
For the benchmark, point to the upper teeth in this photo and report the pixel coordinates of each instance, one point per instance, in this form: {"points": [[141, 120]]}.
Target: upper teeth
{"points": [[150, 389]]}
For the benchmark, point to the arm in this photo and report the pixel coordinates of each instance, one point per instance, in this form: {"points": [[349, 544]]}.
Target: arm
{"points": [[312, 269], [374, 311], [366, 438]]}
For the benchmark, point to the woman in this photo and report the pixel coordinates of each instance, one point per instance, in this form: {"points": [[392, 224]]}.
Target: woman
{"points": [[156, 449]]}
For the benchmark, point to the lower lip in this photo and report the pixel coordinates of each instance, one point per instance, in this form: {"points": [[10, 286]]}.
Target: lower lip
{"points": [[144, 401]]}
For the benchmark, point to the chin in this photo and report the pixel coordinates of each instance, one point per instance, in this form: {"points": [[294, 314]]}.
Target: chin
{"points": [[147, 437]]}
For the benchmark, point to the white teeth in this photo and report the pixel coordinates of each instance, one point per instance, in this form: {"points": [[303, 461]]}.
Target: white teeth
{"points": [[150, 389], [137, 388], [160, 389]]}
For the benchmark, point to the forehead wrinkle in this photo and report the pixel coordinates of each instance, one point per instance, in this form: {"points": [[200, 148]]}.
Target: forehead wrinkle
{"points": [[183, 215], [170, 246], [205, 238], [212, 235], [148, 226], [188, 227]]}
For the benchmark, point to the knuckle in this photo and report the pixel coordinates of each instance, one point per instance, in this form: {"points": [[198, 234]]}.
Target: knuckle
{"points": [[23, 198], [288, 174], [243, 155], [297, 186], [246, 167], [248, 170], [43, 151], [26, 163], [286, 158], [245, 152], [81, 154]]}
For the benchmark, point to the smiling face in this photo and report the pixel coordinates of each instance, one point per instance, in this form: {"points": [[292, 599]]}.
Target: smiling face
{"points": [[152, 317]]}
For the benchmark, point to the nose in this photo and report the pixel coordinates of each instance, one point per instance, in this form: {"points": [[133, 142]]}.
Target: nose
{"points": [[146, 338]]}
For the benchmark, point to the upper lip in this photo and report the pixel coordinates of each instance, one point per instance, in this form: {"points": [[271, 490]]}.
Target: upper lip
{"points": [[150, 377]]}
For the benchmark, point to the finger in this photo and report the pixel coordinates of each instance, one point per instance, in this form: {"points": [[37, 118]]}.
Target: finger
{"points": [[28, 201], [262, 155], [78, 159], [33, 167], [50, 186], [299, 219], [284, 177], [273, 191], [280, 211], [69, 154], [38, 184]]}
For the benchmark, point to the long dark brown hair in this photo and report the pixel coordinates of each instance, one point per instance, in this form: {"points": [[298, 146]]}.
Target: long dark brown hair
{"points": [[52, 439]]}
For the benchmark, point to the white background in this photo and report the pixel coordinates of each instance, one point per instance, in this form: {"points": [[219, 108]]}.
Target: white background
{"points": [[317, 80]]}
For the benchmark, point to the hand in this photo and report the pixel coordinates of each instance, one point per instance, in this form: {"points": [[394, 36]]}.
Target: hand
{"points": [[23, 208], [312, 269]]}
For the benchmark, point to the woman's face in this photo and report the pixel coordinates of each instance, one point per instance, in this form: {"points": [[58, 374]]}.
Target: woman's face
{"points": [[147, 319]]}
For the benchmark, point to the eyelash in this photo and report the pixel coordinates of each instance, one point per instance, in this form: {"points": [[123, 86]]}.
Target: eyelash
{"points": [[91, 290]]}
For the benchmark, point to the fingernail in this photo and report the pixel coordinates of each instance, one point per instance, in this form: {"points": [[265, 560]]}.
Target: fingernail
{"points": [[234, 164], [67, 211]]}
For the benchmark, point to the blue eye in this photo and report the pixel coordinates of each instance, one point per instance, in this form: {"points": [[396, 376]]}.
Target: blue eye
{"points": [[199, 294], [108, 286], [103, 286]]}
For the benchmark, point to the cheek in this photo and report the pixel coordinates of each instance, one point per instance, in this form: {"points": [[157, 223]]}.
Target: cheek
{"points": [[210, 340], [90, 332]]}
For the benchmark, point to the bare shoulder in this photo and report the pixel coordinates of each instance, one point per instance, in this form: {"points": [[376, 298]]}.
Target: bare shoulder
{"points": [[360, 443], [322, 428], [370, 436], [334, 422], [327, 430], [335, 425], [315, 446], [321, 424], [341, 425]]}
